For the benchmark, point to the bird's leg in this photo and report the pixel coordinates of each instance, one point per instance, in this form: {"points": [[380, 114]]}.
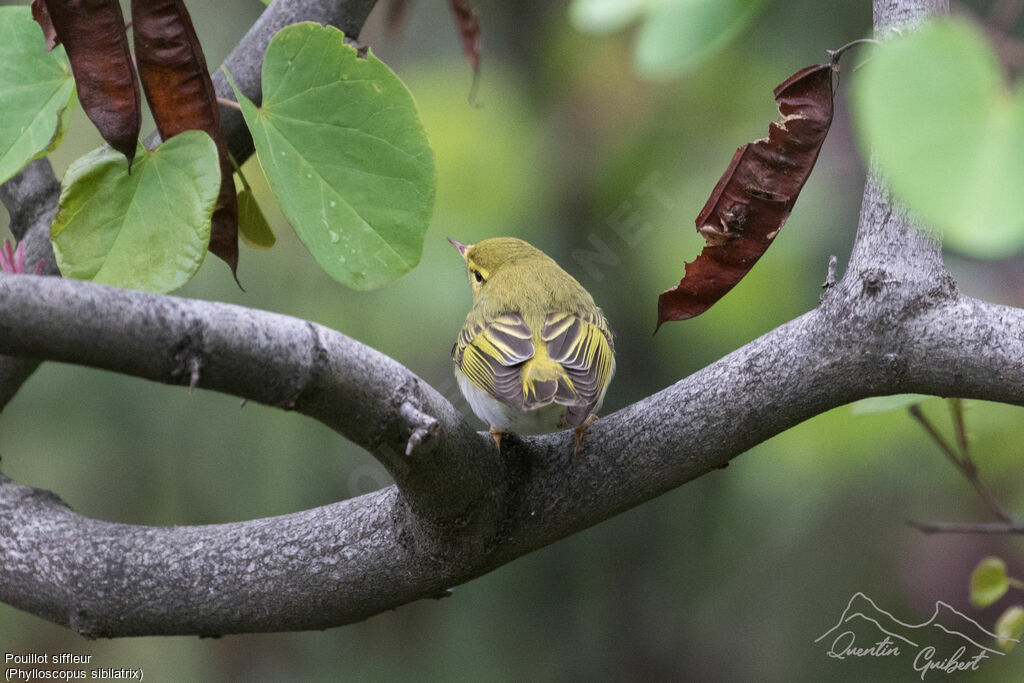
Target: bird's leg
{"points": [[579, 435], [496, 435]]}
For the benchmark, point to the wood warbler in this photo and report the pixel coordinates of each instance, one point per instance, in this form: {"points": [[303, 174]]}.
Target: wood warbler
{"points": [[535, 354]]}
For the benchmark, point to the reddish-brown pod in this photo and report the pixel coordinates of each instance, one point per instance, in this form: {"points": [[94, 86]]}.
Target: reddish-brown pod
{"points": [[42, 17], [756, 194], [182, 97], [93, 35], [469, 31]]}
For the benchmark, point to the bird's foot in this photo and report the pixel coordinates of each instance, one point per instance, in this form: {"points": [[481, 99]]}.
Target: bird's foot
{"points": [[578, 446], [496, 435]]}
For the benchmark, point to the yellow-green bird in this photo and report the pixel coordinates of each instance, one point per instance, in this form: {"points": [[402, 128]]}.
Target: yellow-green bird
{"points": [[536, 354]]}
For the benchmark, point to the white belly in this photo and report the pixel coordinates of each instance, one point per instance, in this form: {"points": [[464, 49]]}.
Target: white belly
{"points": [[496, 414]]}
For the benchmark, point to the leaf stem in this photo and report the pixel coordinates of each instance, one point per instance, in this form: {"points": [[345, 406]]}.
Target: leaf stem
{"points": [[231, 104], [238, 170], [834, 55]]}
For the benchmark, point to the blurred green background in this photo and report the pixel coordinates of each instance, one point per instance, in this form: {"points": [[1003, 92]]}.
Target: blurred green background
{"points": [[730, 577]]}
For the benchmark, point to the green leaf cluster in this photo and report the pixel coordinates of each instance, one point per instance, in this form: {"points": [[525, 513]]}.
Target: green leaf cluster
{"points": [[338, 135]]}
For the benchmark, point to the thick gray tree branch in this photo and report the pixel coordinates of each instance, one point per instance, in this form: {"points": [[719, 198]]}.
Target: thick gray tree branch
{"points": [[901, 15], [31, 200], [936, 342], [273, 359], [894, 323]]}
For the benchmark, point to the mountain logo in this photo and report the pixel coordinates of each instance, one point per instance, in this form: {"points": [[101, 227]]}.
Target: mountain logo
{"points": [[949, 641]]}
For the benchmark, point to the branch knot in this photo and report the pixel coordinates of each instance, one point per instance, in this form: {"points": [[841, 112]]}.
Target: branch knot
{"points": [[188, 354], [420, 426]]}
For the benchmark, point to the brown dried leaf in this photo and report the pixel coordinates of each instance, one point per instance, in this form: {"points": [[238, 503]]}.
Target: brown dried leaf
{"points": [[182, 97], [93, 35], [469, 30], [42, 17], [756, 194]]}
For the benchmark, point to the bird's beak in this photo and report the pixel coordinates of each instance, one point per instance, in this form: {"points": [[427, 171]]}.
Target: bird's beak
{"points": [[460, 246]]}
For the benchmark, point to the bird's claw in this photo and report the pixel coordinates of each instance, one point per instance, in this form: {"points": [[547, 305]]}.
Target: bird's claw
{"points": [[496, 435], [579, 432]]}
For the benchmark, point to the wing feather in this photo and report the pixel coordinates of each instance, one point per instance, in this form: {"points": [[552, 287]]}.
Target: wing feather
{"points": [[583, 347], [494, 356]]}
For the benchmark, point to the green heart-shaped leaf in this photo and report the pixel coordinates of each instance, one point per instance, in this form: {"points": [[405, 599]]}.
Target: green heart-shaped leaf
{"points": [[35, 89], [342, 145], [949, 136], [149, 230]]}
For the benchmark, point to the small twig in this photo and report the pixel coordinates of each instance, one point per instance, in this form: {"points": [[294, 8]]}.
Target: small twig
{"points": [[194, 363], [834, 55], [962, 459], [424, 426], [231, 104], [967, 527], [830, 274], [956, 408], [915, 412], [970, 470]]}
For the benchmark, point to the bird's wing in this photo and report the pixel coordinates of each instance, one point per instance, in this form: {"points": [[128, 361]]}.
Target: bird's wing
{"points": [[583, 346], [492, 356], [572, 367]]}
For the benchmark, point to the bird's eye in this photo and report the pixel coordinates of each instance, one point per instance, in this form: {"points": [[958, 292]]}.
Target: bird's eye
{"points": [[477, 275]]}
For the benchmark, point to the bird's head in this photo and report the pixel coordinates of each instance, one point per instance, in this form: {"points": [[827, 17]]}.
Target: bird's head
{"points": [[490, 257]]}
